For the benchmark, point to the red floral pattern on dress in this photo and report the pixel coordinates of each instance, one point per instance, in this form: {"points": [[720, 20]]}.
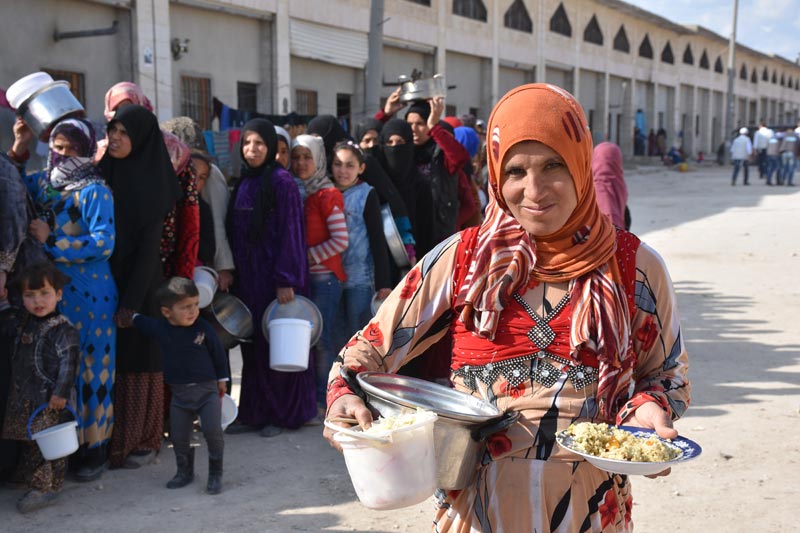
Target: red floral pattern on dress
{"points": [[514, 392], [498, 444], [647, 333], [412, 282], [608, 509], [373, 334]]}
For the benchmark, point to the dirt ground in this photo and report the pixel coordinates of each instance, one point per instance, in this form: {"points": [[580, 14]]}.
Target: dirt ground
{"points": [[734, 256]]}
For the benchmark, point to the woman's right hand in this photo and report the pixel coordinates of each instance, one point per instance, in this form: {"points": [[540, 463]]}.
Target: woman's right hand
{"points": [[22, 137], [347, 406], [393, 103]]}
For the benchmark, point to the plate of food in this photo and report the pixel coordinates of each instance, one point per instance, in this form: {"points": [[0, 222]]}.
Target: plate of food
{"points": [[626, 449]]}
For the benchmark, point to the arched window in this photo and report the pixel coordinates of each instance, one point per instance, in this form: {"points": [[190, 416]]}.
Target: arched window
{"points": [[753, 76], [718, 65], [592, 33], [783, 81], [743, 72], [704, 61], [789, 82], [775, 77], [621, 41], [517, 17], [666, 54], [559, 22], [472, 9], [765, 75], [645, 49], [688, 57]]}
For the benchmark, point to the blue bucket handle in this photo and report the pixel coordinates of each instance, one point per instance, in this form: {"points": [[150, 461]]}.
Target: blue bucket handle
{"points": [[42, 408]]}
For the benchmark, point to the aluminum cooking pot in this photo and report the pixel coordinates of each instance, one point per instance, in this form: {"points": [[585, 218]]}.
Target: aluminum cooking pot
{"points": [[47, 105], [423, 89], [230, 318], [464, 422], [393, 239]]}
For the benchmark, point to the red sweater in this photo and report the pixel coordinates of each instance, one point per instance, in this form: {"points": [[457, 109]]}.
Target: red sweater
{"points": [[325, 248]]}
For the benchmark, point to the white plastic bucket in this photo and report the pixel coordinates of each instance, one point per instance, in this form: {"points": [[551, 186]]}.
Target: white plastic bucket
{"points": [[395, 474], [56, 441], [289, 344], [206, 280]]}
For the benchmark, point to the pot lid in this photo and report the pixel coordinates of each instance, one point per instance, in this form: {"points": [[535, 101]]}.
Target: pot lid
{"points": [[300, 307], [414, 392]]}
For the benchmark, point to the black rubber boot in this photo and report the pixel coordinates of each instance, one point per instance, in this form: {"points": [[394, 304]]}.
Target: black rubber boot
{"points": [[214, 475], [185, 474]]}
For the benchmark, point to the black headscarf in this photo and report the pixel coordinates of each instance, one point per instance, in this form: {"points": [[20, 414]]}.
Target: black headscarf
{"points": [[265, 203], [365, 125], [144, 183], [398, 161], [331, 131]]}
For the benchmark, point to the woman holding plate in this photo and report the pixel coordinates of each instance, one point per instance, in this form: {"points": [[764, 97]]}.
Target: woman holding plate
{"points": [[554, 313]]}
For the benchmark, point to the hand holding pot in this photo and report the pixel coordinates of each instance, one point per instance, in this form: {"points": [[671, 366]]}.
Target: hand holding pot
{"points": [[22, 137], [347, 406], [225, 280], [393, 103]]}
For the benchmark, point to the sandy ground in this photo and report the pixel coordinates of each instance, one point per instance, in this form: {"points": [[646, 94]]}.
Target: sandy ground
{"points": [[734, 256]]}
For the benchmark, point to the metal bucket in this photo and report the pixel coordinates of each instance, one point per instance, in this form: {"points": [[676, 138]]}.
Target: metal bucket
{"points": [[48, 105], [393, 238], [464, 422], [423, 89], [230, 318]]}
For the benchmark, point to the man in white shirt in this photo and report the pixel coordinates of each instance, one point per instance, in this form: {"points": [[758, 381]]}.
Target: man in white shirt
{"points": [[741, 150], [760, 140], [788, 149]]}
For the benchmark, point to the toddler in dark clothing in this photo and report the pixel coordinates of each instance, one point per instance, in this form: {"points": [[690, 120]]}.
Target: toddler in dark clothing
{"points": [[196, 370]]}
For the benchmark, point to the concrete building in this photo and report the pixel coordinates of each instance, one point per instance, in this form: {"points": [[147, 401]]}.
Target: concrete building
{"points": [[625, 65]]}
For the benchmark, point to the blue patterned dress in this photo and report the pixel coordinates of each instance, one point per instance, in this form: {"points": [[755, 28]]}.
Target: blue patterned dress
{"points": [[81, 243]]}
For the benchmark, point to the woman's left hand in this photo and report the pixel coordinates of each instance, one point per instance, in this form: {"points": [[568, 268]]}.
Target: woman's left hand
{"points": [[437, 108], [284, 294], [39, 229], [651, 416]]}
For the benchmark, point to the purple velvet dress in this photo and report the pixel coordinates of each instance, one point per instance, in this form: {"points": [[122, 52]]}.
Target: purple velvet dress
{"points": [[283, 399]]}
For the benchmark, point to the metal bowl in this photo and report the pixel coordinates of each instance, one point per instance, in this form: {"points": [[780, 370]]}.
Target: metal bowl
{"points": [[230, 318], [393, 238], [46, 106], [464, 422], [423, 89]]}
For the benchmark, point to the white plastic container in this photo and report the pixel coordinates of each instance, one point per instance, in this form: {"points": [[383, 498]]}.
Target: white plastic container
{"points": [[207, 282], [23, 88], [289, 344], [391, 474], [229, 411]]}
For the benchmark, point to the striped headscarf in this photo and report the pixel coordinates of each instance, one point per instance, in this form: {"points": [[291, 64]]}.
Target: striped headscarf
{"points": [[125, 90], [506, 257]]}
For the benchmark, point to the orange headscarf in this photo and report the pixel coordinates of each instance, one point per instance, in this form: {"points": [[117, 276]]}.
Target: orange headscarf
{"points": [[581, 252]]}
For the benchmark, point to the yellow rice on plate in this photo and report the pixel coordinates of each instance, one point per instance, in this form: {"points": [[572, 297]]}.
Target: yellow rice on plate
{"points": [[609, 442]]}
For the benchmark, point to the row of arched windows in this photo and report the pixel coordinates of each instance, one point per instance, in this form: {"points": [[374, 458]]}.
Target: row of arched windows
{"points": [[518, 18]]}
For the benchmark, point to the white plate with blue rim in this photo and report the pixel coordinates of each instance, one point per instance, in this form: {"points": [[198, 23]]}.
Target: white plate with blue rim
{"points": [[687, 450]]}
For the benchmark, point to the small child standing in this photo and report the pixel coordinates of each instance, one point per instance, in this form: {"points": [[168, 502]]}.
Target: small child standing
{"points": [[196, 370], [43, 368], [366, 259]]}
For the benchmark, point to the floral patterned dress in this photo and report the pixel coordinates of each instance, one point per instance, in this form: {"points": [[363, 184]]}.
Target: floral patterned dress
{"points": [[525, 482]]}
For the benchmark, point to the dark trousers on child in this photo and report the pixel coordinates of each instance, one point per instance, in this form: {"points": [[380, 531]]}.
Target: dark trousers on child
{"points": [[196, 398]]}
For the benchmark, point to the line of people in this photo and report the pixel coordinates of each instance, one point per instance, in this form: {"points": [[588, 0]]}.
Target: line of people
{"points": [[776, 154]]}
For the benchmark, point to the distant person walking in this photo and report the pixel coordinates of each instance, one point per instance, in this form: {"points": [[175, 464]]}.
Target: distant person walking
{"points": [[741, 150]]}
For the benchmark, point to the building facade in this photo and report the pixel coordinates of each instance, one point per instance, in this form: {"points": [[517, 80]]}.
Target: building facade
{"points": [[626, 66]]}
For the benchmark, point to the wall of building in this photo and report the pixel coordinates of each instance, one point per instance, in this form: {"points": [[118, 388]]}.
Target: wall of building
{"points": [[223, 47], [28, 45]]}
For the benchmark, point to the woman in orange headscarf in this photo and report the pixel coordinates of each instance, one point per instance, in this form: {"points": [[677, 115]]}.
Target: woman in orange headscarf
{"points": [[555, 314]]}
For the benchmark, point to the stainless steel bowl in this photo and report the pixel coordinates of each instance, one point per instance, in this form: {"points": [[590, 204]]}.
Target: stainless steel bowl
{"points": [[423, 89], [464, 422], [46, 106], [230, 318], [393, 238]]}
